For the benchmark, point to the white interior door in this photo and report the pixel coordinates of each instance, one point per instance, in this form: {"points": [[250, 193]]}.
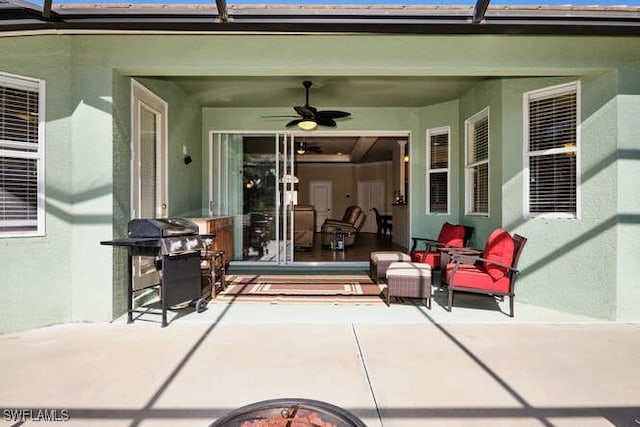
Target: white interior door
{"points": [[371, 195], [321, 196], [149, 169]]}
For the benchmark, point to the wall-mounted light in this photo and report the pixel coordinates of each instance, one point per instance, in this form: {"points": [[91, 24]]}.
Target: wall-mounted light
{"points": [[406, 158], [307, 124], [186, 157]]}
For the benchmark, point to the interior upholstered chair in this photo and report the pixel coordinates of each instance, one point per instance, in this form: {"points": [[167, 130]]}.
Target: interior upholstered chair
{"points": [[304, 226], [493, 272], [383, 223], [351, 222], [428, 251]]}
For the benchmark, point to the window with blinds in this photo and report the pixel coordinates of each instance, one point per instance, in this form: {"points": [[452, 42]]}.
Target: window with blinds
{"points": [[551, 152], [21, 163], [477, 163], [438, 170]]}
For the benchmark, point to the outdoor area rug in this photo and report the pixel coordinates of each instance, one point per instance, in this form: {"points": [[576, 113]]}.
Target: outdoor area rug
{"points": [[334, 289]]}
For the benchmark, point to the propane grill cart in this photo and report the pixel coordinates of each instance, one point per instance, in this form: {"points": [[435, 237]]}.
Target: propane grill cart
{"points": [[175, 245]]}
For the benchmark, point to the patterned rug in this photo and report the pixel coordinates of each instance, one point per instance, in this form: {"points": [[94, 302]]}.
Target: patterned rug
{"points": [[273, 289]]}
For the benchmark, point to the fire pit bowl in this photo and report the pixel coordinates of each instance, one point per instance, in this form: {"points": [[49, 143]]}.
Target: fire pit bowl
{"points": [[289, 412]]}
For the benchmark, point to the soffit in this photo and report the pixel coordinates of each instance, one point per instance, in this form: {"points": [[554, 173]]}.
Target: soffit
{"points": [[455, 17]]}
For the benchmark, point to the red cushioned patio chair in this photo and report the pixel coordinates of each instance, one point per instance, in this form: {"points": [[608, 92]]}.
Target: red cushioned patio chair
{"points": [[451, 236], [493, 272]]}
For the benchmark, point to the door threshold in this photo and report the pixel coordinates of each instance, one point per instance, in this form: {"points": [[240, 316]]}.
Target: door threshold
{"points": [[329, 267]]}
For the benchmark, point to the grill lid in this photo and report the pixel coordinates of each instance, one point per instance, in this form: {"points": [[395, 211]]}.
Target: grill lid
{"points": [[161, 227]]}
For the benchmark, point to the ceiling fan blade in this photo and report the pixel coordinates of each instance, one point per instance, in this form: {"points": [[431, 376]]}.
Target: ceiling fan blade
{"points": [[333, 114], [305, 111], [325, 121], [279, 117], [294, 122]]}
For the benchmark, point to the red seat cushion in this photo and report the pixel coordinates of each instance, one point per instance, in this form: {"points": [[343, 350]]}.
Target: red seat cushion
{"points": [[423, 257], [476, 277], [499, 248], [452, 235]]}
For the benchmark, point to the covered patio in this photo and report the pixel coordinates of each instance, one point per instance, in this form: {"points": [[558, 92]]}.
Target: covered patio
{"points": [[397, 366]]}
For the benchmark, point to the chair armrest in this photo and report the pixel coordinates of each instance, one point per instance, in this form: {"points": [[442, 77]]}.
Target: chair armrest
{"points": [[467, 258], [335, 222], [336, 226], [424, 240], [464, 258], [499, 264], [453, 250]]}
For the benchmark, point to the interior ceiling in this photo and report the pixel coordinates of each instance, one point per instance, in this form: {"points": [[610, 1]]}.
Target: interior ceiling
{"points": [[334, 92]]}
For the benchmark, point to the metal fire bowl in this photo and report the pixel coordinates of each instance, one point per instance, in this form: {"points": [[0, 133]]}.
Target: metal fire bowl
{"points": [[291, 411]]}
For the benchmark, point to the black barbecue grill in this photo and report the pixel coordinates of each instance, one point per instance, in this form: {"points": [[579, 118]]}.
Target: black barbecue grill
{"points": [[175, 245]]}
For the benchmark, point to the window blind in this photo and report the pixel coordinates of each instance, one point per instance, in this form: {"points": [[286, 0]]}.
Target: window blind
{"points": [[477, 165], [439, 151], [552, 151], [438, 171], [438, 192], [19, 116], [18, 192], [148, 166], [21, 198]]}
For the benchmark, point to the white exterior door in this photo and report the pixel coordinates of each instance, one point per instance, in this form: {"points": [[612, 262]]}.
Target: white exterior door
{"points": [[321, 196], [148, 168]]}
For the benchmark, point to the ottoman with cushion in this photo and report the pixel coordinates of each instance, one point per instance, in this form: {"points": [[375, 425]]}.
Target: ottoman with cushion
{"points": [[409, 280], [380, 260]]}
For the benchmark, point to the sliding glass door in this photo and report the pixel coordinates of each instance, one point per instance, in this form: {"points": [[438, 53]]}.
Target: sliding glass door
{"points": [[251, 178]]}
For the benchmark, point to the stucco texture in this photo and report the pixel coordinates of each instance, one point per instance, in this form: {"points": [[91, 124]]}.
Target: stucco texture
{"points": [[582, 266]]}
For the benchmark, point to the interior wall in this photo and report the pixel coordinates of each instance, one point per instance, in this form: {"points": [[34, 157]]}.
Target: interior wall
{"points": [[342, 178]]}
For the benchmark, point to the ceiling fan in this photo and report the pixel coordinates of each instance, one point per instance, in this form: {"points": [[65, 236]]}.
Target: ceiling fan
{"points": [[310, 117], [302, 147]]}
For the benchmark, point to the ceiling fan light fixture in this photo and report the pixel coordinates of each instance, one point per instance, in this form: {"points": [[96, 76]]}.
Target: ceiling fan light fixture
{"points": [[307, 125], [301, 147]]}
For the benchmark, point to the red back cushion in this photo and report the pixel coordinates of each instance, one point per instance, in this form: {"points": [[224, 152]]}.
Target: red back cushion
{"points": [[499, 248], [452, 235]]}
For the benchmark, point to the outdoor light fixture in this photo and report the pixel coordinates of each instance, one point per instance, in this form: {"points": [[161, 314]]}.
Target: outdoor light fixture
{"points": [[307, 125], [186, 156], [301, 147]]}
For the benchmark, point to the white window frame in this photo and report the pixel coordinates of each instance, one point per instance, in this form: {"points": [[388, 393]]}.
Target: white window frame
{"points": [[444, 130], [12, 149], [468, 131], [571, 151]]}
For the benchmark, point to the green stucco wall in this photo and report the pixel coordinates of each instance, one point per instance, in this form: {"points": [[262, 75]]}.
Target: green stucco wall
{"points": [[67, 275], [35, 272], [628, 209], [435, 116]]}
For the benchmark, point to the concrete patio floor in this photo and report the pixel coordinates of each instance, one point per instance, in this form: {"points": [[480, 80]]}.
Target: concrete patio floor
{"points": [[393, 366]]}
